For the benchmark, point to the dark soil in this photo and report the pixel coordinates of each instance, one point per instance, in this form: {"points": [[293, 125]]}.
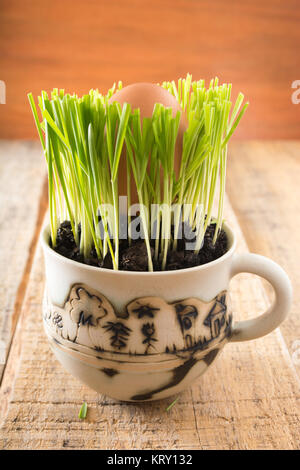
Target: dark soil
{"points": [[134, 257]]}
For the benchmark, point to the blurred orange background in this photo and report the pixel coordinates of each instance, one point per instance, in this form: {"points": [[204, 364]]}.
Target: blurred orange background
{"points": [[78, 45]]}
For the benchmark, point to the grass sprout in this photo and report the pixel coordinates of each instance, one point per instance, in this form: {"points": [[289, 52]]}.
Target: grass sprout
{"points": [[83, 411], [172, 404], [85, 138]]}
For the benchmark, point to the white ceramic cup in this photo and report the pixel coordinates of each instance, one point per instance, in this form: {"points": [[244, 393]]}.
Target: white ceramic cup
{"points": [[139, 336]]}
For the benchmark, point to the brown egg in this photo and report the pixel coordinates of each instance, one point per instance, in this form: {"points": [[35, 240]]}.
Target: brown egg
{"points": [[145, 96]]}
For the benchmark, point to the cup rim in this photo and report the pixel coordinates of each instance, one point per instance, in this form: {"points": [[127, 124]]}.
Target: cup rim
{"points": [[45, 234]]}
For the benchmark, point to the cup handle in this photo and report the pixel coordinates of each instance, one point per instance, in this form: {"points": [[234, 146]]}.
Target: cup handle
{"points": [[272, 272]]}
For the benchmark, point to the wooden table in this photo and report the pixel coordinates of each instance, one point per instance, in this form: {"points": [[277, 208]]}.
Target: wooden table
{"points": [[248, 400]]}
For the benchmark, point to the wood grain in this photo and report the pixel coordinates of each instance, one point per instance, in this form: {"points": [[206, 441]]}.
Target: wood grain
{"points": [[79, 45], [22, 203], [248, 400], [263, 186]]}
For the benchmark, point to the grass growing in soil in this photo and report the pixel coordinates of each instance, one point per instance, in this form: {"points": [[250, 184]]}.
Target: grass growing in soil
{"points": [[84, 138]]}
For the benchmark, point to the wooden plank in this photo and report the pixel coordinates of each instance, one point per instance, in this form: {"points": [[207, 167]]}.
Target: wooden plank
{"points": [[103, 42], [22, 201], [263, 185], [248, 400]]}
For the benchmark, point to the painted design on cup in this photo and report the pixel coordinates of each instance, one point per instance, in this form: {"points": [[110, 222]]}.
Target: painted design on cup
{"points": [[149, 325]]}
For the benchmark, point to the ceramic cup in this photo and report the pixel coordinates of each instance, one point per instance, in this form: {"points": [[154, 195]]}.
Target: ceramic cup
{"points": [[138, 336]]}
